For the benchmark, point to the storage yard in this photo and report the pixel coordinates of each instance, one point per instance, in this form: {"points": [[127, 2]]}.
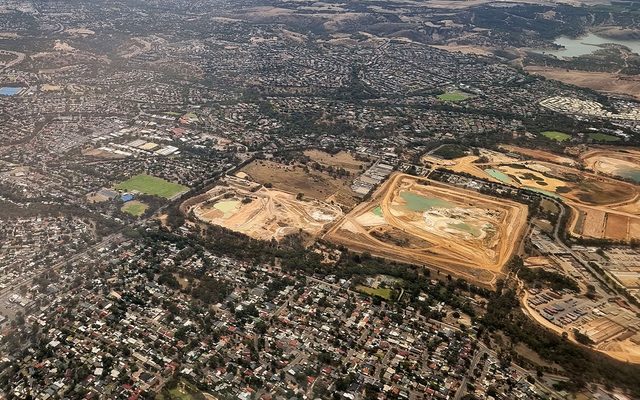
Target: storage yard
{"points": [[419, 221], [610, 326], [261, 213]]}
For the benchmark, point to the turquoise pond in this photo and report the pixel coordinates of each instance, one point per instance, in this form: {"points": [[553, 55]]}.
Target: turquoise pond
{"points": [[499, 175], [418, 203], [462, 226], [629, 173]]}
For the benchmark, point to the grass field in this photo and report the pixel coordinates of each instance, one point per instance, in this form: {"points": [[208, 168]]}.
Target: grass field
{"points": [[453, 96], [384, 293], [135, 208], [602, 137], [151, 185], [556, 135], [182, 391]]}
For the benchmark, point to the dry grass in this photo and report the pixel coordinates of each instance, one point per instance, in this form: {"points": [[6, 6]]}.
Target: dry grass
{"points": [[294, 179]]}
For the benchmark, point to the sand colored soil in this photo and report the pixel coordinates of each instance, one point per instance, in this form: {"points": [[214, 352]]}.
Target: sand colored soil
{"points": [[611, 161], [419, 221], [616, 345], [540, 155], [603, 207], [262, 213], [607, 82], [339, 160], [466, 49]]}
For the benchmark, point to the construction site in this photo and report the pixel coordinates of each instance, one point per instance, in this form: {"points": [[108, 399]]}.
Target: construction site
{"points": [[419, 221], [623, 163], [609, 326], [259, 212], [602, 207]]}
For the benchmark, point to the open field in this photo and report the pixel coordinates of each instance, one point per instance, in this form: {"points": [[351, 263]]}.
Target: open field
{"points": [[607, 82], [603, 137], [135, 208], [418, 221], [556, 135], [454, 96], [384, 293], [294, 179], [540, 155], [339, 160], [151, 185], [262, 213]]}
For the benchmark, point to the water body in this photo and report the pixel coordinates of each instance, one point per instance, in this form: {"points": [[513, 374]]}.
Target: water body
{"points": [[463, 226], [499, 175], [378, 211], [586, 45], [629, 173], [542, 191], [418, 203], [10, 91]]}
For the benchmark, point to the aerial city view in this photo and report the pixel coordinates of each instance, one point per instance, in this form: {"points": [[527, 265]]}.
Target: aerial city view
{"points": [[319, 199]]}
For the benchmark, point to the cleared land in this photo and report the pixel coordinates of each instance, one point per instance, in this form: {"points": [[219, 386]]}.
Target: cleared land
{"points": [[262, 213], [418, 221], [294, 179], [151, 185], [540, 155], [603, 208], [338, 160], [607, 82], [624, 163]]}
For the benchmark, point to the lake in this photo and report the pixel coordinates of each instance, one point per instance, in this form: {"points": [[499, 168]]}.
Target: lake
{"points": [[586, 45], [418, 203]]}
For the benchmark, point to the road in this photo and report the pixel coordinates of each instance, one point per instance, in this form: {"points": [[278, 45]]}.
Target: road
{"points": [[463, 385]]}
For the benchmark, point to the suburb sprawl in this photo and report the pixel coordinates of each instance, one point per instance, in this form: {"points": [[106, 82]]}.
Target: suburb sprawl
{"points": [[319, 200]]}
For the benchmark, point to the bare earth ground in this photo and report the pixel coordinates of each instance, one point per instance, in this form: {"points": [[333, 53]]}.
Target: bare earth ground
{"points": [[608, 160], [435, 236], [294, 179], [466, 49], [623, 350], [339, 160], [607, 82], [261, 213], [540, 155], [603, 207]]}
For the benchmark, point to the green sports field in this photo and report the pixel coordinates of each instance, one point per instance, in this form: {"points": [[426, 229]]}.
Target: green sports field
{"points": [[453, 96], [384, 293], [135, 208], [603, 137], [556, 135], [148, 184]]}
